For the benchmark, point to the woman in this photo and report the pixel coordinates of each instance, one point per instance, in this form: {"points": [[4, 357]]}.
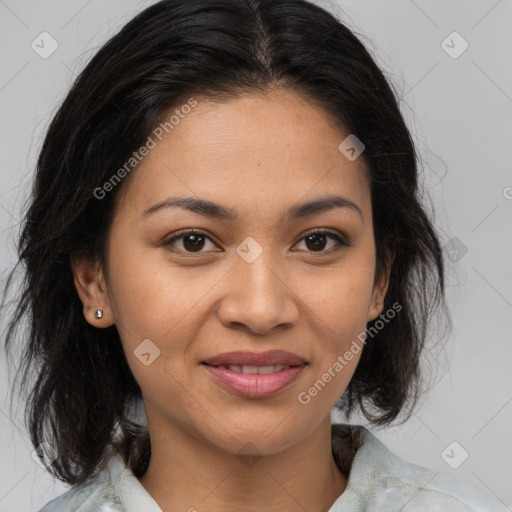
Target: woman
{"points": [[226, 230]]}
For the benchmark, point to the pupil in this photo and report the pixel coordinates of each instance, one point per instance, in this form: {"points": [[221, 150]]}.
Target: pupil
{"points": [[316, 245], [195, 244]]}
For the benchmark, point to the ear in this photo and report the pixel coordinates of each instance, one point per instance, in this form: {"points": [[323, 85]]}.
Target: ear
{"points": [[380, 289], [90, 284]]}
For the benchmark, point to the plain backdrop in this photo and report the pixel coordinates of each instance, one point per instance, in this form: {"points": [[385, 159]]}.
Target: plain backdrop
{"points": [[450, 63]]}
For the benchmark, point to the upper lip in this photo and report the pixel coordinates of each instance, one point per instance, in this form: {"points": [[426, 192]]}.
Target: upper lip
{"points": [[269, 358]]}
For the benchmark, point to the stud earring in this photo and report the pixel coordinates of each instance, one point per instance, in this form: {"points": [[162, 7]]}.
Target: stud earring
{"points": [[98, 313]]}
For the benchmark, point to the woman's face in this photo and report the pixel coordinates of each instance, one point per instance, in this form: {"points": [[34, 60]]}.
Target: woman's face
{"points": [[254, 280]]}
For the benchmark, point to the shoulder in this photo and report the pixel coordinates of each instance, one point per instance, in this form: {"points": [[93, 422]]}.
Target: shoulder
{"points": [[417, 488], [98, 494], [379, 480]]}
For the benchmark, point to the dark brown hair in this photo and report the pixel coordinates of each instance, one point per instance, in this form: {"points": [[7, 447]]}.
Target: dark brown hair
{"points": [[79, 384]]}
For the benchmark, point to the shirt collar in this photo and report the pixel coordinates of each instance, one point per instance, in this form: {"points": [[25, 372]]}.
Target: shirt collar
{"points": [[356, 451]]}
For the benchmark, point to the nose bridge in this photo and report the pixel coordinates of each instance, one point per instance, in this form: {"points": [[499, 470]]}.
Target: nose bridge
{"points": [[257, 267], [257, 294]]}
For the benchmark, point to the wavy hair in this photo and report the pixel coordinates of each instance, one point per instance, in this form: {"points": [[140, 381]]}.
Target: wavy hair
{"points": [[79, 386]]}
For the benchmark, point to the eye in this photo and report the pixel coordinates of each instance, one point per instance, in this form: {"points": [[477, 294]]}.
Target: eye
{"points": [[193, 241], [316, 241]]}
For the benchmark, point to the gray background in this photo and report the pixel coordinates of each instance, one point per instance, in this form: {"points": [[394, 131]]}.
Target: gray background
{"points": [[459, 110]]}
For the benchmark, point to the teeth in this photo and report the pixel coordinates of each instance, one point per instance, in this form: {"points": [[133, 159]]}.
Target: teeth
{"points": [[252, 370], [266, 370]]}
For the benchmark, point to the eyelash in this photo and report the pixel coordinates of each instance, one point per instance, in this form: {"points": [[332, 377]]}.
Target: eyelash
{"points": [[340, 242]]}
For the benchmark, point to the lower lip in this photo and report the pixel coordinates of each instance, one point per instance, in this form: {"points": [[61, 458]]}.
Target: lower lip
{"points": [[255, 385]]}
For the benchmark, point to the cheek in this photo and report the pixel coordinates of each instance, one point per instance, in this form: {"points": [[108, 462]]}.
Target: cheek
{"points": [[147, 296], [158, 309], [339, 326], [341, 301], [151, 317], [339, 307]]}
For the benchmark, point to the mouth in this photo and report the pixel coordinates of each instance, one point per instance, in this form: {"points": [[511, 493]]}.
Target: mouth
{"points": [[255, 375], [253, 370]]}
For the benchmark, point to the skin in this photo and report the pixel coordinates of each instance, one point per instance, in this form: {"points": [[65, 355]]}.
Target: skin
{"points": [[258, 154]]}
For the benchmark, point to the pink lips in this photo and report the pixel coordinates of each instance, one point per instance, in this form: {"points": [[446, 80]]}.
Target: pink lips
{"points": [[272, 357], [243, 379]]}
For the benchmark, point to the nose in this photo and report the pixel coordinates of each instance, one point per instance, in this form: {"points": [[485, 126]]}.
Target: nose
{"points": [[258, 297]]}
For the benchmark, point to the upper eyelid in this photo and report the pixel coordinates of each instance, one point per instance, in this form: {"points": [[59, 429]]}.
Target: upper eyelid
{"points": [[189, 232]]}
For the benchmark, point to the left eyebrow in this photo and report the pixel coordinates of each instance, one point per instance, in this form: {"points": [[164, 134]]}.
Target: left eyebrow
{"points": [[208, 208], [322, 205]]}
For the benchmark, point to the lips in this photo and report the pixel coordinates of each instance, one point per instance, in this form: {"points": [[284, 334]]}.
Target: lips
{"points": [[255, 375], [269, 358]]}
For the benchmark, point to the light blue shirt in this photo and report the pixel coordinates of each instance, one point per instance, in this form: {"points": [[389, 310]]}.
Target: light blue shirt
{"points": [[379, 481]]}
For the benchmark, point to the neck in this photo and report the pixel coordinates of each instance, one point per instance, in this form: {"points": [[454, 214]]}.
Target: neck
{"points": [[187, 473]]}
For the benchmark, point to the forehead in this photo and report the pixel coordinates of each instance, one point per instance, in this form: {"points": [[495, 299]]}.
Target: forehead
{"points": [[255, 151]]}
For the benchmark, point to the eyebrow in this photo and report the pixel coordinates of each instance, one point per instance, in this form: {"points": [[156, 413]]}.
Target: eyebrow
{"points": [[214, 210]]}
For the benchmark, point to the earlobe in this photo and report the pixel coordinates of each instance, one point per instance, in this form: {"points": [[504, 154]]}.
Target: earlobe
{"points": [[380, 289], [375, 310], [91, 287]]}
